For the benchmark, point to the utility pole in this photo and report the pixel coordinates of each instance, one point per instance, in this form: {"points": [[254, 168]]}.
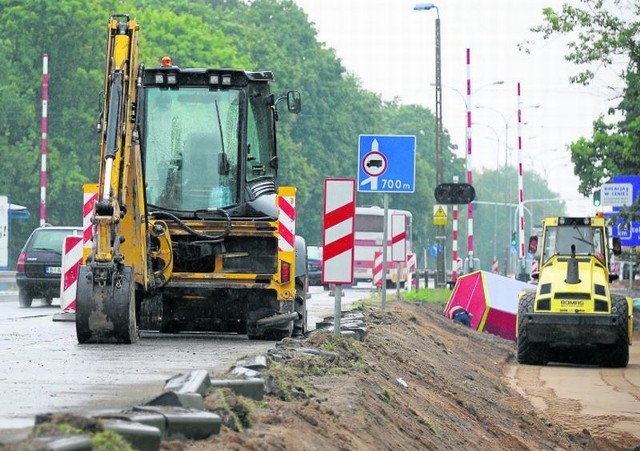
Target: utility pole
{"points": [[441, 277]]}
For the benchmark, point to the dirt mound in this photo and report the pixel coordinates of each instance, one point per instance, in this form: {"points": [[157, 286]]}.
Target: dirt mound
{"points": [[418, 381]]}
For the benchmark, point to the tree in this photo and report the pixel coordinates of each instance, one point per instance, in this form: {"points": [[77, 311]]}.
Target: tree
{"points": [[496, 191], [601, 32], [260, 35]]}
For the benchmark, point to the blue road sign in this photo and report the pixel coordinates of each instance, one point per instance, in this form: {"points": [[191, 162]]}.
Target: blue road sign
{"points": [[386, 163], [629, 236]]}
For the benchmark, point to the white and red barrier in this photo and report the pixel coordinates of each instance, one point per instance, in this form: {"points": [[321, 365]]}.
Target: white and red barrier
{"points": [[377, 269], [338, 231], [89, 199], [71, 261], [534, 266], [495, 267], [287, 219], [412, 265], [412, 262]]}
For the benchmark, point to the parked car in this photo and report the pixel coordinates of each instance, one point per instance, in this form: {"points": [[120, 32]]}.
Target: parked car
{"points": [[39, 265], [314, 265]]}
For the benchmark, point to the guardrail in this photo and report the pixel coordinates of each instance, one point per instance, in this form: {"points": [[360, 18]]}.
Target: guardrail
{"points": [[8, 281]]}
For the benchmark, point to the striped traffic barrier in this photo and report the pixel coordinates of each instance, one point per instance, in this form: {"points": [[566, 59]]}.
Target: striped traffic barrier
{"points": [[71, 261], [377, 269], [412, 265], [90, 198]]}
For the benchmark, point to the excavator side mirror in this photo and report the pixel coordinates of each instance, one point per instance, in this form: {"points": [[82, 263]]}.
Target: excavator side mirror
{"points": [[616, 247], [223, 164], [533, 244], [294, 101]]}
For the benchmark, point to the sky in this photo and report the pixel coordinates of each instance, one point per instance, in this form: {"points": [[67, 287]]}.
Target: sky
{"points": [[390, 48]]}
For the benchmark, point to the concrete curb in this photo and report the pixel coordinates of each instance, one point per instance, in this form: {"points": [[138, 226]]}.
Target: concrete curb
{"points": [[181, 423], [142, 437], [62, 443], [65, 317], [249, 388]]}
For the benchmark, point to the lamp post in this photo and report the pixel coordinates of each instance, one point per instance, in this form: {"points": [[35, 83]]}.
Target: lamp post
{"points": [[467, 103], [506, 120], [440, 271], [473, 93]]}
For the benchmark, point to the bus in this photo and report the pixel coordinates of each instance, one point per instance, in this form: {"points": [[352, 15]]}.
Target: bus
{"points": [[368, 239]]}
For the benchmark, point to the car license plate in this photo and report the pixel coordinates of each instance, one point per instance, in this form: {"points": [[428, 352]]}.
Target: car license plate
{"points": [[53, 269]]}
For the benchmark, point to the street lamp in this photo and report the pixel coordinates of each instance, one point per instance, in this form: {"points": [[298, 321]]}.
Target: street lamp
{"points": [[507, 120], [467, 103], [440, 272], [464, 99]]}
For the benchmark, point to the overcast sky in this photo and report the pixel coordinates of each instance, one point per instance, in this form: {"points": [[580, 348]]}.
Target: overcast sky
{"points": [[391, 49]]}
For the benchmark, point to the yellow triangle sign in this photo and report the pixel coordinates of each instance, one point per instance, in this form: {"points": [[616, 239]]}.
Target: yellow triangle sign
{"points": [[440, 213]]}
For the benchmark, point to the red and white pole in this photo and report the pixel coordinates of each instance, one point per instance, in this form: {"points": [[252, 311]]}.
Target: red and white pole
{"points": [[454, 240], [520, 186], [43, 144], [469, 162]]}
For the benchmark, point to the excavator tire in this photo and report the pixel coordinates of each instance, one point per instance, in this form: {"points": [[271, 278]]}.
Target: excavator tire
{"points": [[616, 355], [106, 314], [529, 353]]}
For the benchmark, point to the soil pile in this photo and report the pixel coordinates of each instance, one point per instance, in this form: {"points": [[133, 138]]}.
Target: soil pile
{"points": [[418, 381]]}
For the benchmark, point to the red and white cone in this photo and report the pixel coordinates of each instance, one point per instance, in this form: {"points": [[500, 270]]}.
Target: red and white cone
{"points": [[494, 266]]}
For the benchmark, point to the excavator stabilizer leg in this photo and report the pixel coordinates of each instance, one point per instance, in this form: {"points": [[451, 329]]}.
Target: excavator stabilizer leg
{"points": [[106, 313]]}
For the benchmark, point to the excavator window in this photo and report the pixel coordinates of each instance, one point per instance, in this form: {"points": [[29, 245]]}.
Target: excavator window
{"points": [[586, 239], [260, 157], [186, 132]]}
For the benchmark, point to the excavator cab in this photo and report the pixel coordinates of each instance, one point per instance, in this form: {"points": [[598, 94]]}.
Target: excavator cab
{"points": [[208, 137]]}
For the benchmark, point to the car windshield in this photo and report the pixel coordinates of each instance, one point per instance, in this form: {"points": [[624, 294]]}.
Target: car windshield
{"points": [[50, 239]]}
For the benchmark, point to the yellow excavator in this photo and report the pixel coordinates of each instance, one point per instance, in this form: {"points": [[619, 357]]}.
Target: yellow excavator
{"points": [[190, 229]]}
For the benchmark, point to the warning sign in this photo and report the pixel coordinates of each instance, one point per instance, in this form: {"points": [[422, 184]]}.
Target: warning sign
{"points": [[440, 215]]}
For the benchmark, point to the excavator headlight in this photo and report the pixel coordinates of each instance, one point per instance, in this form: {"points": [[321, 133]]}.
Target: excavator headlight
{"points": [[159, 79], [172, 79], [226, 80], [214, 79]]}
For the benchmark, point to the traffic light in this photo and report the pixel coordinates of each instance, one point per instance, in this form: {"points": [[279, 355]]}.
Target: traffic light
{"points": [[514, 239], [596, 198], [455, 193]]}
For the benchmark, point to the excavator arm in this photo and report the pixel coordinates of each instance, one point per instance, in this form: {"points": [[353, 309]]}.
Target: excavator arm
{"points": [[107, 283]]}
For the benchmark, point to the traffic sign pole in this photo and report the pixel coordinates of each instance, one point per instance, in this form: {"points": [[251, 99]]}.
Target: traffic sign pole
{"points": [[385, 235]]}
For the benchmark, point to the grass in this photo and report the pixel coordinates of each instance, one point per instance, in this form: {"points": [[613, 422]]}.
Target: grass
{"points": [[432, 295]]}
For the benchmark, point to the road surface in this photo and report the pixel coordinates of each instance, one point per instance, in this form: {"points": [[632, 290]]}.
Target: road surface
{"points": [[588, 397], [44, 369]]}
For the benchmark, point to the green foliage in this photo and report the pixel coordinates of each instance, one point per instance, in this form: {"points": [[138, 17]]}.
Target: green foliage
{"points": [[110, 441], [599, 36], [495, 220], [259, 35]]}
